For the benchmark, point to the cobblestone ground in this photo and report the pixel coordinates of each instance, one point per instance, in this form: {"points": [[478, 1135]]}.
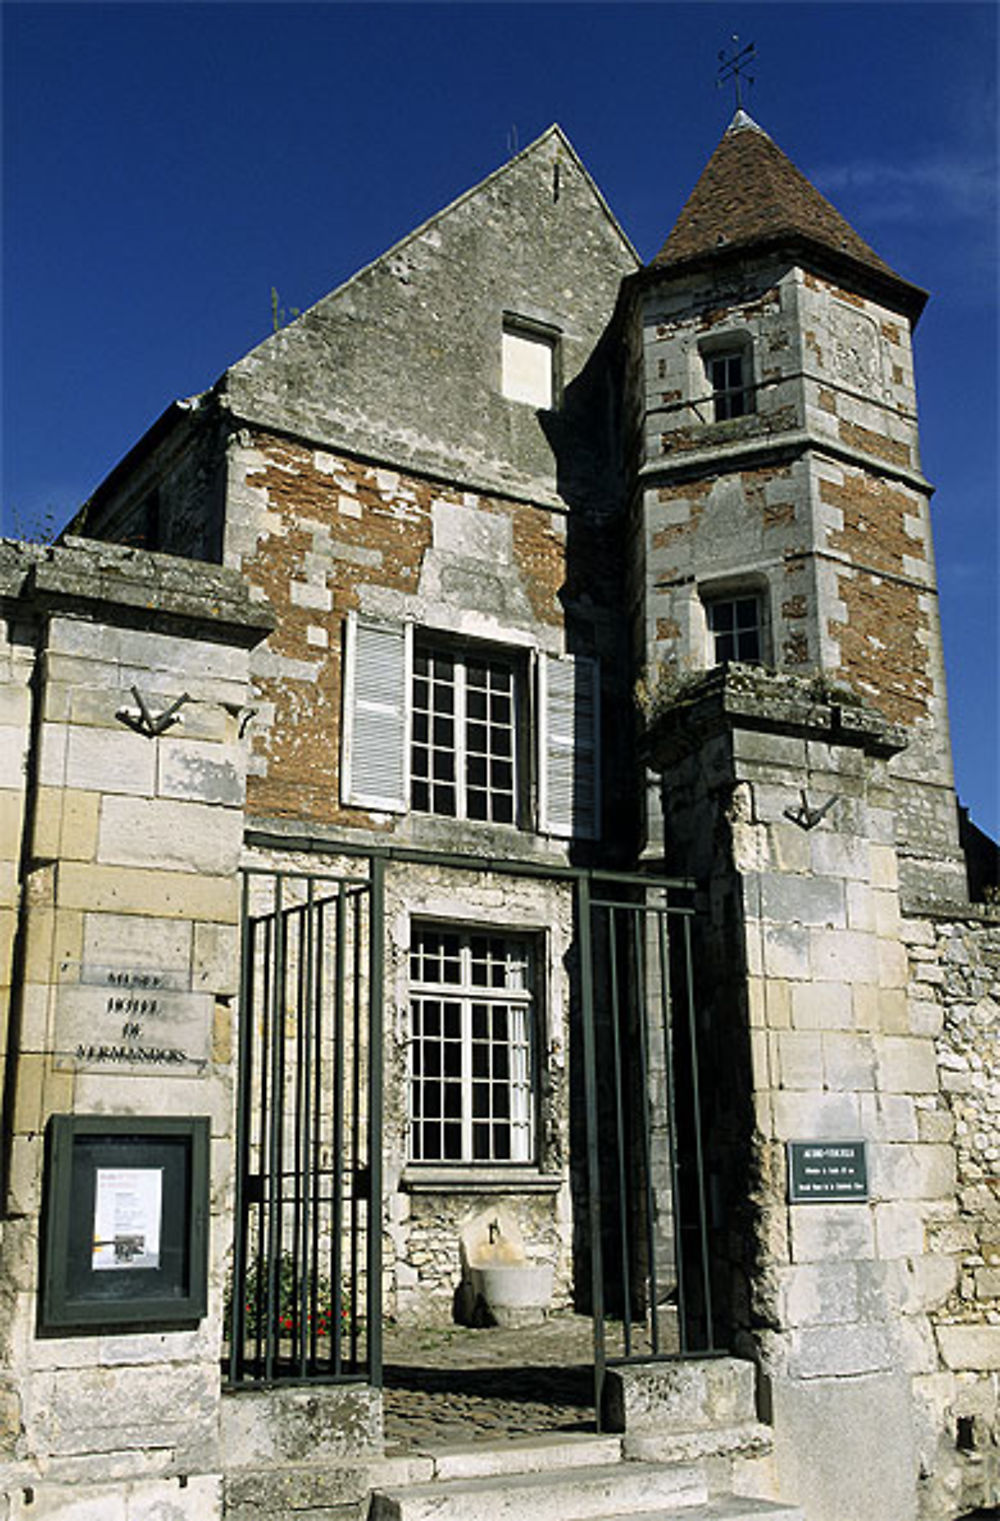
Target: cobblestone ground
{"points": [[455, 1384]]}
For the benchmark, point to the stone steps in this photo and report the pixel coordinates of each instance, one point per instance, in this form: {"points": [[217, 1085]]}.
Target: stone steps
{"points": [[587, 1493]]}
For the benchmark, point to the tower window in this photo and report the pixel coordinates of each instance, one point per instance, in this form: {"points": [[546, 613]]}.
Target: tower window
{"points": [[736, 629], [729, 378]]}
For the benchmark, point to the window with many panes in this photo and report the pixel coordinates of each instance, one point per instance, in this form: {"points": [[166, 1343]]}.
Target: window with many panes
{"points": [[471, 1047], [463, 759], [728, 379], [735, 627], [442, 728]]}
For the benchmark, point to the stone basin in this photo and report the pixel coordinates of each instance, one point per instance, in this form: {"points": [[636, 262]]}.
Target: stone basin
{"points": [[513, 1294]]}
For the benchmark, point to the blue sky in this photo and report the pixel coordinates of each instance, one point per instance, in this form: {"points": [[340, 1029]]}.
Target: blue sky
{"points": [[166, 165]]}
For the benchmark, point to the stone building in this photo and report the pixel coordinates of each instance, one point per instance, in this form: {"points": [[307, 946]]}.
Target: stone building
{"points": [[511, 700]]}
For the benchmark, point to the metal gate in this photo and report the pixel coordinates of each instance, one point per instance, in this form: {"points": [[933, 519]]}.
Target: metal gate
{"points": [[306, 1284], [651, 1292], [305, 1299]]}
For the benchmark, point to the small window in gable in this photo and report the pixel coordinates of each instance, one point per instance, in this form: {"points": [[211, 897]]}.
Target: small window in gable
{"points": [[529, 364]]}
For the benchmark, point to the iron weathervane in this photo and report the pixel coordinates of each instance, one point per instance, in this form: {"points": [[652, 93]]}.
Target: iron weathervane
{"points": [[733, 68]]}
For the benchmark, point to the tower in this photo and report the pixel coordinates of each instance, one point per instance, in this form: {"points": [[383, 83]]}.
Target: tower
{"points": [[780, 510]]}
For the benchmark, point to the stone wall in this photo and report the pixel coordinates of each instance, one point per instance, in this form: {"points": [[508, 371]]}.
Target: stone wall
{"points": [[955, 992]]}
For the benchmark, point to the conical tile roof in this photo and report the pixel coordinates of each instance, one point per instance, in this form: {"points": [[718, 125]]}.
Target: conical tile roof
{"points": [[750, 193]]}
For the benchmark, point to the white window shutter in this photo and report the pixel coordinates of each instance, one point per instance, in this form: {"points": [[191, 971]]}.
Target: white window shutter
{"points": [[569, 742], [375, 756]]}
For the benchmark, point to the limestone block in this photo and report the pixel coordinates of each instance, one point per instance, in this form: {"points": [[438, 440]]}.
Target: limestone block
{"points": [[128, 1409], [930, 1279], [906, 1064], [911, 1171], [689, 1396], [831, 1232], [847, 956], [816, 1116], [861, 913], [802, 900], [970, 1348], [899, 1229], [884, 866], [126, 940], [821, 1293], [840, 1351], [302, 1493], [174, 836], [839, 855], [893, 966], [160, 894], [125, 1093], [848, 1061], [97, 760], [198, 1497], [197, 771], [926, 1017], [786, 952], [275, 1426], [12, 755], [800, 1059], [69, 1502], [844, 1447], [215, 958]]}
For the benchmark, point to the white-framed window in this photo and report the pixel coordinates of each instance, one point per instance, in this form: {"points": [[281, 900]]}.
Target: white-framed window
{"points": [[529, 363], [470, 730], [736, 628], [468, 708], [471, 1046]]}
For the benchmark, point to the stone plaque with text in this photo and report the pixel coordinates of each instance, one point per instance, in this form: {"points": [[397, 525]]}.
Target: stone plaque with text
{"points": [[132, 1019]]}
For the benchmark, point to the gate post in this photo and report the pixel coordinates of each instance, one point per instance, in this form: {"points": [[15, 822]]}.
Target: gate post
{"points": [[125, 685]]}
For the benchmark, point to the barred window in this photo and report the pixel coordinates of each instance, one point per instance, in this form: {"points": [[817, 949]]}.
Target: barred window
{"points": [[471, 1047], [727, 377]]}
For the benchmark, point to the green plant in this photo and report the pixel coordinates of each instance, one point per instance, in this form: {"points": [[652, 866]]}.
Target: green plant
{"points": [[287, 1310]]}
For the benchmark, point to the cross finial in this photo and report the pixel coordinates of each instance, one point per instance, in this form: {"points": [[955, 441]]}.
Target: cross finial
{"points": [[734, 67]]}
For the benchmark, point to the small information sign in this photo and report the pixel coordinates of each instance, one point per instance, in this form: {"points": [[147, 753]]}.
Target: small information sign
{"points": [[827, 1172]]}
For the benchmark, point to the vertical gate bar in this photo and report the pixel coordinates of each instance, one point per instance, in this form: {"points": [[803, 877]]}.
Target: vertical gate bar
{"points": [[308, 1291], [663, 939], [245, 1006], [263, 1142], [357, 904], [639, 918], [337, 1245], [319, 952], [376, 929], [593, 1157], [275, 1157], [698, 1150], [613, 914], [296, 923]]}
